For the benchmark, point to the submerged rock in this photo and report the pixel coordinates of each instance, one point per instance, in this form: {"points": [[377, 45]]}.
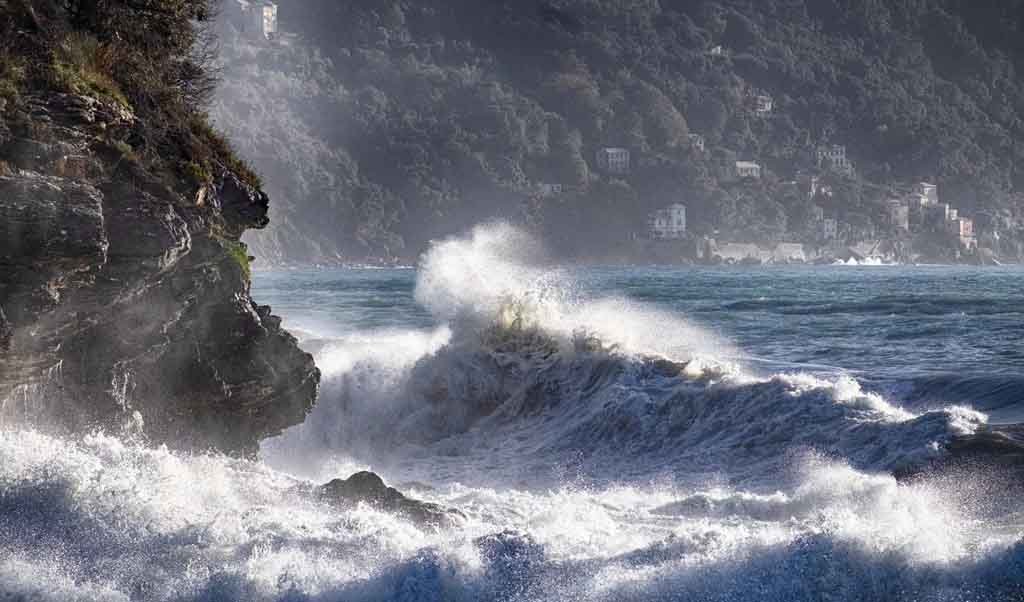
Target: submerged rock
{"points": [[368, 488]]}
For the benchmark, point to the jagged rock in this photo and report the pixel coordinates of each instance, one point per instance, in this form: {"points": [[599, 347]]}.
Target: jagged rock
{"points": [[118, 277], [244, 207], [369, 488], [52, 239]]}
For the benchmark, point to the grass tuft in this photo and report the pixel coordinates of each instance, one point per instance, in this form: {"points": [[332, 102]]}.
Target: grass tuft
{"points": [[12, 75], [82, 65], [240, 253]]}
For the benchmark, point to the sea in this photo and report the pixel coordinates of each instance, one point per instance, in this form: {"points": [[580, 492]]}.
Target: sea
{"points": [[605, 433]]}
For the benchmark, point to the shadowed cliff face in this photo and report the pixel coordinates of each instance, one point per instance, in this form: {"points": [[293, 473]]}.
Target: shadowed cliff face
{"points": [[124, 298]]}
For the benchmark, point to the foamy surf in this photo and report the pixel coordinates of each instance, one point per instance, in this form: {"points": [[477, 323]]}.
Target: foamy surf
{"points": [[599, 448], [615, 387], [98, 519]]}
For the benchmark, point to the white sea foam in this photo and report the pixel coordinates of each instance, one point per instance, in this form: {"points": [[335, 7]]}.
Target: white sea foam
{"points": [[431, 404], [587, 467], [99, 519]]}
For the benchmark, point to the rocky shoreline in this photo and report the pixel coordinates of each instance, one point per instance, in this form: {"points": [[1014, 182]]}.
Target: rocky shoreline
{"points": [[124, 301]]}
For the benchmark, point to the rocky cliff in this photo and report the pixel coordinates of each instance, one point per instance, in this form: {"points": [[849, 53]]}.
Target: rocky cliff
{"points": [[124, 287]]}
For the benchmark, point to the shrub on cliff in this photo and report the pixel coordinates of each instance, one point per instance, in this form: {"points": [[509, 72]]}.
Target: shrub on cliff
{"points": [[83, 65], [153, 57]]}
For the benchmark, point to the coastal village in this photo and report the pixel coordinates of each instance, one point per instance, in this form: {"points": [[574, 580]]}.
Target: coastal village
{"points": [[909, 211], [906, 214]]}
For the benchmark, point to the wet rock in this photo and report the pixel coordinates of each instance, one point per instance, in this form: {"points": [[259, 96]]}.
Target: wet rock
{"points": [[368, 488], [125, 297]]}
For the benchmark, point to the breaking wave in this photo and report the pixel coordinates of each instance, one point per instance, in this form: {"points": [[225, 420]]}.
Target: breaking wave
{"points": [[598, 449], [624, 389]]}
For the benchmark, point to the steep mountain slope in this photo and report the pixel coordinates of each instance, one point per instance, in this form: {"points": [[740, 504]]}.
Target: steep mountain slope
{"points": [[397, 122]]}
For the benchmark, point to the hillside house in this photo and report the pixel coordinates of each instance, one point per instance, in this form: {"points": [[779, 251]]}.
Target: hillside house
{"points": [[748, 170], [918, 202], [963, 229], [929, 191], [697, 142], [834, 159], [614, 160], [817, 214], [763, 104], [255, 18], [717, 51], [668, 223]]}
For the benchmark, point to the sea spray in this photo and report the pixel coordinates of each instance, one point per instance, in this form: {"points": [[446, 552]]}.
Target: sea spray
{"points": [[601, 448], [646, 393], [100, 519]]}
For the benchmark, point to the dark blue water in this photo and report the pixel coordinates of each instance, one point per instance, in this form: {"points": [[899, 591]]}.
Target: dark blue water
{"points": [[927, 336]]}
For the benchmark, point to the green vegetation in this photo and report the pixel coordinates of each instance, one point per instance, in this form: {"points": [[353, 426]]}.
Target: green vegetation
{"points": [[239, 253], [82, 65], [12, 75], [392, 123], [154, 58], [200, 174]]}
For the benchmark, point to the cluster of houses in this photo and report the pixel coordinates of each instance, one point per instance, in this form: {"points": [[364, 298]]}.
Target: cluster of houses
{"points": [[917, 209], [921, 209]]}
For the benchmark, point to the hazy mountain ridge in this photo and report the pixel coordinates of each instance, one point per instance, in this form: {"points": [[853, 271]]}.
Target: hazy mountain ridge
{"points": [[387, 124]]}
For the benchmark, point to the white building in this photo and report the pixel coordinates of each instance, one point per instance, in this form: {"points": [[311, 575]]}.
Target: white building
{"points": [[546, 189], [834, 158], [717, 51], [963, 229], [256, 18], [748, 169], [763, 104], [918, 201], [668, 223], [613, 160], [697, 142], [930, 191]]}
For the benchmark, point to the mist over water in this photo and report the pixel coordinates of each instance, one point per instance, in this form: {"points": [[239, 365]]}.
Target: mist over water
{"points": [[608, 435]]}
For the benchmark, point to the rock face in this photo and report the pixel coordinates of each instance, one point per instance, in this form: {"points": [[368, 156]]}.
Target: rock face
{"points": [[125, 297], [369, 488]]}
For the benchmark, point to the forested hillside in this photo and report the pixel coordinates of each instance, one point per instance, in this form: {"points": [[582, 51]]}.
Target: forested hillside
{"points": [[380, 125]]}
